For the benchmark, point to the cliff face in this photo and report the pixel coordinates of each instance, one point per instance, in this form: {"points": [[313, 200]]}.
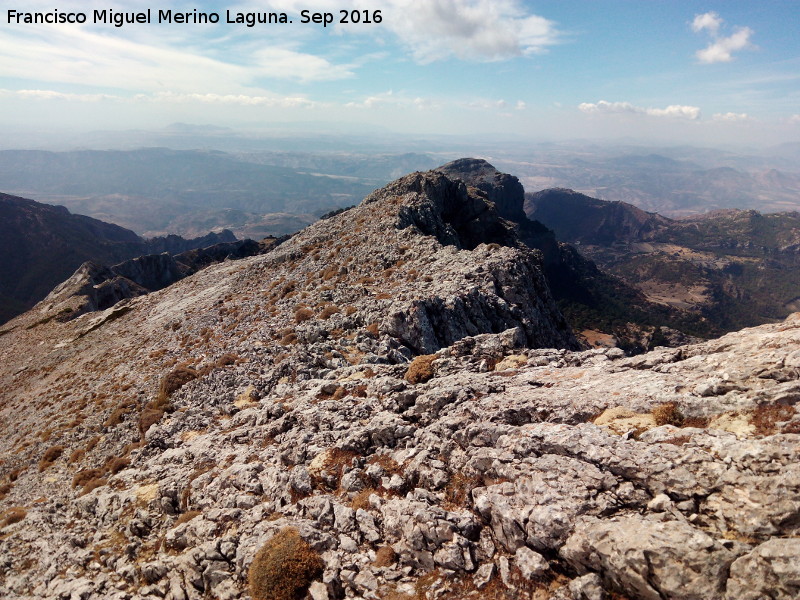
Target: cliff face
{"points": [[394, 387]]}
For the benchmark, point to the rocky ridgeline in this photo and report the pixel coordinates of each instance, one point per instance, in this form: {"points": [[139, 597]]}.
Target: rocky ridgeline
{"points": [[389, 405]]}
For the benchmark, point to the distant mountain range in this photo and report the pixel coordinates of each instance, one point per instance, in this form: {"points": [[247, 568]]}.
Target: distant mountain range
{"points": [[736, 268], [155, 190], [671, 181], [42, 245]]}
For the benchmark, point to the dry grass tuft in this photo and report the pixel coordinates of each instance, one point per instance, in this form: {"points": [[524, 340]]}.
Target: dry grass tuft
{"points": [[668, 414], [175, 380], [50, 456], [117, 464], [766, 417], [15, 514], [83, 476], [328, 311], [303, 314], [226, 360], [187, 516], [421, 369], [284, 568], [149, 417], [5, 489], [385, 557]]}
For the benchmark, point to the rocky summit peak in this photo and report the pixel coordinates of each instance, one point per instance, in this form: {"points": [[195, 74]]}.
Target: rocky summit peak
{"points": [[503, 189], [389, 405]]}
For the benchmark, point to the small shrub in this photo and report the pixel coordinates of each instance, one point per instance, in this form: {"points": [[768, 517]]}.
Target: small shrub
{"points": [[116, 417], [668, 414], [5, 489], [421, 369], [92, 484], [284, 568], [698, 422], [50, 456], [372, 328], [92, 443], [385, 556], [289, 338]]}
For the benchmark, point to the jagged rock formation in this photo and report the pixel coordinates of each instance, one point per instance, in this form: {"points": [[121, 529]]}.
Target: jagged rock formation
{"points": [[594, 301], [152, 450], [42, 245], [96, 287]]}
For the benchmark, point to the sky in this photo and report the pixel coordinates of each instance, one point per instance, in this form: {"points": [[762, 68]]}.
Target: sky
{"points": [[714, 73]]}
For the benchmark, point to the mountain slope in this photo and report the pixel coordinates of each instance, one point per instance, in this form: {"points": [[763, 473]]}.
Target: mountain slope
{"points": [[42, 245], [735, 268], [168, 445]]}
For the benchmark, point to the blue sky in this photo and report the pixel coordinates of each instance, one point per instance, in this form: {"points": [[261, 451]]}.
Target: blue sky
{"points": [[700, 72]]}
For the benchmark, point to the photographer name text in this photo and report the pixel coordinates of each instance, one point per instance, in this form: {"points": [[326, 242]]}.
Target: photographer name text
{"points": [[193, 17]]}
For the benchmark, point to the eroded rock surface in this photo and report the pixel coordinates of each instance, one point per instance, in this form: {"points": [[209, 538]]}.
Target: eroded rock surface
{"points": [[151, 452]]}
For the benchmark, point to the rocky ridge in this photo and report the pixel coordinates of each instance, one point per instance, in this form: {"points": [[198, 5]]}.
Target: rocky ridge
{"points": [[396, 385], [42, 245]]}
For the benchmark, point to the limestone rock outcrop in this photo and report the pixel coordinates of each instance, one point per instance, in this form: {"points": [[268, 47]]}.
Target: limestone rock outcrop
{"points": [[395, 386]]}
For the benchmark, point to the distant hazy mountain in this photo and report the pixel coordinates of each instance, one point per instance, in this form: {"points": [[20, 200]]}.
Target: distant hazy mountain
{"points": [[736, 268], [42, 245], [674, 182], [148, 190]]}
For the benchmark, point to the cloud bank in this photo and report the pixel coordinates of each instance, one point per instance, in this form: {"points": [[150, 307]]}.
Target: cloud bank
{"points": [[672, 111]]}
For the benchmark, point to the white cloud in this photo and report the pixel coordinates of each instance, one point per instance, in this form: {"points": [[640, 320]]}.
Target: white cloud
{"points": [[521, 105], [709, 20], [234, 99], [675, 110], [720, 49], [53, 95], [794, 119], [672, 111], [390, 99], [76, 55], [480, 30], [484, 104], [730, 116]]}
